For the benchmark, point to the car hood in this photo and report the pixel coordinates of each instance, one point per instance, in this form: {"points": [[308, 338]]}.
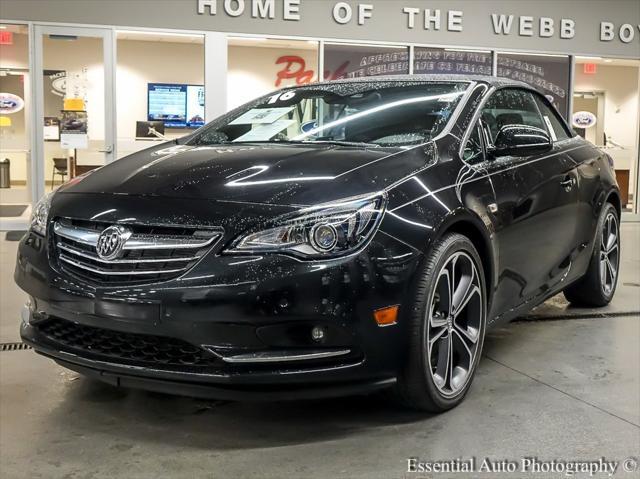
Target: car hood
{"points": [[254, 173]]}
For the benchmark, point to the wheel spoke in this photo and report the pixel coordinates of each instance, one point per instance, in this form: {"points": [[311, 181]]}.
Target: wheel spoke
{"points": [[443, 362], [443, 290], [436, 336], [470, 293], [470, 333], [462, 292], [451, 365], [452, 283], [466, 348], [612, 271], [603, 270]]}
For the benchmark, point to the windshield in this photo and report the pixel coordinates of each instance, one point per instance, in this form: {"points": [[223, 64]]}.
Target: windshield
{"points": [[349, 114]]}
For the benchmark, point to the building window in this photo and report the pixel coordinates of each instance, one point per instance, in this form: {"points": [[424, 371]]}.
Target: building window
{"points": [[549, 74], [451, 61], [352, 61]]}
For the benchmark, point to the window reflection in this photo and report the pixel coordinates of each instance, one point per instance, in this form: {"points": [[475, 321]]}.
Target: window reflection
{"points": [[450, 61], [549, 74], [352, 61]]}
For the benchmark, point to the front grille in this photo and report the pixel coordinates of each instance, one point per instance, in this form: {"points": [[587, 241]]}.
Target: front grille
{"points": [[150, 254], [127, 347]]}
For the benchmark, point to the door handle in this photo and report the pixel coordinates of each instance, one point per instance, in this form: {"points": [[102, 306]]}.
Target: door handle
{"points": [[568, 183], [107, 149]]}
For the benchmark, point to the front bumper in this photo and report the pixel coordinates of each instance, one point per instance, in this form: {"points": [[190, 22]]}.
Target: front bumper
{"points": [[233, 307]]}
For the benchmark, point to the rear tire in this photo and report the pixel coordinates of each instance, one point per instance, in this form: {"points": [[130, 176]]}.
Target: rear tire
{"points": [[446, 327], [597, 287]]}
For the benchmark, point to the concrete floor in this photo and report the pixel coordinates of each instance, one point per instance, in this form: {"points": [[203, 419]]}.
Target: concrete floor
{"points": [[551, 388]]}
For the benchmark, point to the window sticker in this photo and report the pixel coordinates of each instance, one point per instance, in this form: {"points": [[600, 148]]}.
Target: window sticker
{"points": [[554, 137], [265, 132], [261, 116]]}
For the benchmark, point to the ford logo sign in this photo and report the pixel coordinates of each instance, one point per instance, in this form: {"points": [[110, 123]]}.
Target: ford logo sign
{"points": [[306, 127], [10, 103], [583, 119]]}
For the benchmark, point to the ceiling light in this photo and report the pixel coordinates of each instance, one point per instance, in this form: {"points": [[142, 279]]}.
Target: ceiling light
{"points": [[464, 50], [158, 33], [608, 60], [249, 39], [578, 57]]}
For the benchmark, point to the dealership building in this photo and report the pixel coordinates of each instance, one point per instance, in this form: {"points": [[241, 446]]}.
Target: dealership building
{"points": [[120, 66]]}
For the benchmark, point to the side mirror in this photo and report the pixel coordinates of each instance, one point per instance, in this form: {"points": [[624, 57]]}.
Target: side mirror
{"points": [[520, 140]]}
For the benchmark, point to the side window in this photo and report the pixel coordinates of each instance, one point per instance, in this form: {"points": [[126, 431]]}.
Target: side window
{"points": [[555, 125], [473, 152], [511, 107]]}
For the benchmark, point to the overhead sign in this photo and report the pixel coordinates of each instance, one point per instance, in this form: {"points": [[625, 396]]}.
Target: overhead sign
{"points": [[609, 28]]}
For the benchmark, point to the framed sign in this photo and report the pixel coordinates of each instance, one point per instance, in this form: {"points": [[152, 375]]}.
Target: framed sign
{"points": [[51, 128], [73, 129]]}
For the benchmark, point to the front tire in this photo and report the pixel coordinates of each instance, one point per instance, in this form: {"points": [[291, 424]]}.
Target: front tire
{"points": [[597, 287], [447, 326]]}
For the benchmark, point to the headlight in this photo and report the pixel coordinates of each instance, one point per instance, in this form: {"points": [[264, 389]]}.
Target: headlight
{"points": [[333, 229], [40, 214]]}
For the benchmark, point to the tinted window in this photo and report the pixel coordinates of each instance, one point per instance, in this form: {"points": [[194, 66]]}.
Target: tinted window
{"points": [[511, 107], [473, 152], [555, 125]]}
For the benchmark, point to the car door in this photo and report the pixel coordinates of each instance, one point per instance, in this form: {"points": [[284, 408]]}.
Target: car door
{"points": [[535, 211]]}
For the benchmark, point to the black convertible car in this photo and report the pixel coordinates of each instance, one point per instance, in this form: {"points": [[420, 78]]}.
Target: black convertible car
{"points": [[327, 239]]}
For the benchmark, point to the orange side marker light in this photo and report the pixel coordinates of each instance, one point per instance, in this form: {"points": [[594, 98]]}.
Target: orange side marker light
{"points": [[386, 316]]}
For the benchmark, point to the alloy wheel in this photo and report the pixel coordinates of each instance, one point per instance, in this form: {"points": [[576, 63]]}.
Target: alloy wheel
{"points": [[609, 253], [454, 324]]}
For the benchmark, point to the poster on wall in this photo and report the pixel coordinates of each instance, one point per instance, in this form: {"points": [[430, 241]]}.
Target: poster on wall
{"points": [[353, 61], [450, 62], [73, 130], [195, 106], [51, 128], [549, 74]]}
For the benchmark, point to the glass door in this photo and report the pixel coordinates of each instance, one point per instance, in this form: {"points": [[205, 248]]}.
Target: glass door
{"points": [[15, 154], [74, 81]]}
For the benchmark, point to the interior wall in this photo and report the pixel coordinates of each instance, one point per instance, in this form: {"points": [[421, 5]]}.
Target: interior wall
{"points": [[253, 71], [143, 62], [620, 85]]}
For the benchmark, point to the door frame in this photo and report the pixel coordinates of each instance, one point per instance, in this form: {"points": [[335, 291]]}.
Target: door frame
{"points": [[37, 94]]}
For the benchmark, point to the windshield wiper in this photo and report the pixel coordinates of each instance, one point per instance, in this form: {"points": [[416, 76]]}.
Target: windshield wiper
{"points": [[343, 143], [315, 142]]}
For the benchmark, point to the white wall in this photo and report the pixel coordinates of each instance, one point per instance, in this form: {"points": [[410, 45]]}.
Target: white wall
{"points": [[620, 85], [253, 71], [142, 62]]}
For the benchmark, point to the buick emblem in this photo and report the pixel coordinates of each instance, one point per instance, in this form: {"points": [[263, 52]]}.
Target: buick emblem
{"points": [[111, 241]]}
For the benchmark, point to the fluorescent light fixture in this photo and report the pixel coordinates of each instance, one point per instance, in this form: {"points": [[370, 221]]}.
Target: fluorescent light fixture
{"points": [[464, 50], [608, 60], [578, 57], [249, 39], [526, 54], [3, 27], [159, 33], [367, 45]]}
